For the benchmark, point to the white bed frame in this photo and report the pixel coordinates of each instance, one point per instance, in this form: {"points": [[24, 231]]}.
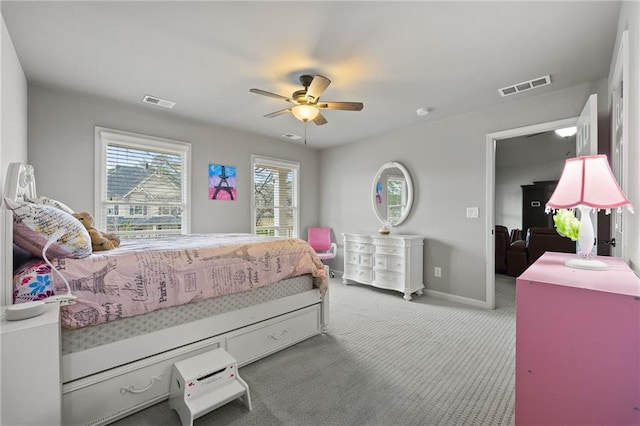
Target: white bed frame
{"points": [[103, 384]]}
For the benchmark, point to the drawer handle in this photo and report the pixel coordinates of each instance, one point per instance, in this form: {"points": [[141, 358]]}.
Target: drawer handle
{"points": [[387, 250], [274, 337], [132, 388]]}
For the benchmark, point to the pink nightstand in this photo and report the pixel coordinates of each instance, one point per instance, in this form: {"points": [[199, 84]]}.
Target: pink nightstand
{"points": [[577, 344]]}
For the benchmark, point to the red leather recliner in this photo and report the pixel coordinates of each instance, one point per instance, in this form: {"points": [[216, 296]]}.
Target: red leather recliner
{"points": [[521, 253], [502, 244]]}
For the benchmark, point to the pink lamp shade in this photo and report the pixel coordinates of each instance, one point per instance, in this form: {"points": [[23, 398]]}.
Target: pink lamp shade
{"points": [[587, 181]]}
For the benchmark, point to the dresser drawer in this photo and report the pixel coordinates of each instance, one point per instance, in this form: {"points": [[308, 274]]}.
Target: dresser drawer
{"points": [[358, 247], [358, 259], [389, 280], [113, 394], [391, 250], [358, 274], [256, 341], [385, 263]]}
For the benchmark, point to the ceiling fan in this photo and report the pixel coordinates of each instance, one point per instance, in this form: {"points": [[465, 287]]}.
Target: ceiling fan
{"points": [[306, 102]]}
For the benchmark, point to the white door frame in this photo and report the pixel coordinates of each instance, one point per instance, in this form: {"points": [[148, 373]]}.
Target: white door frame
{"points": [[619, 149], [490, 293]]}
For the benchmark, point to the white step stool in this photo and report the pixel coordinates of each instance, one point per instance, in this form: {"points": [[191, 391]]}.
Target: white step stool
{"points": [[202, 383]]}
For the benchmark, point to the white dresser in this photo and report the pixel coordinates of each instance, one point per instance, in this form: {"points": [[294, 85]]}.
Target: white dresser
{"points": [[392, 262]]}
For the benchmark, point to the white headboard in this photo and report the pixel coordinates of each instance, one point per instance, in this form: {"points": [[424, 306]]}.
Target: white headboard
{"points": [[19, 184]]}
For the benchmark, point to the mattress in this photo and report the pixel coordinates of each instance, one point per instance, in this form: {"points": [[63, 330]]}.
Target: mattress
{"points": [[75, 340], [148, 274]]}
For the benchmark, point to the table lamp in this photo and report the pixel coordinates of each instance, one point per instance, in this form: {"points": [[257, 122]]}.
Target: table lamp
{"points": [[587, 183]]}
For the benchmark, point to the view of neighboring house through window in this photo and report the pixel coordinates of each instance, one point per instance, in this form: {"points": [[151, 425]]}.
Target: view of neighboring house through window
{"points": [[275, 197], [143, 183], [397, 197]]}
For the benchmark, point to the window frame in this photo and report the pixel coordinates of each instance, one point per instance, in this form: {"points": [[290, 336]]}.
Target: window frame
{"points": [[294, 166], [402, 184], [106, 136]]}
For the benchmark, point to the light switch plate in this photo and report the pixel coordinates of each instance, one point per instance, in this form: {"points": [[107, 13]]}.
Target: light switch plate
{"points": [[472, 212]]}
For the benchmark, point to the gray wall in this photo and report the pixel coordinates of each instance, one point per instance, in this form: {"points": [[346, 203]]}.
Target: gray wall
{"points": [[13, 127], [447, 162], [522, 161], [14, 106], [61, 149], [630, 20]]}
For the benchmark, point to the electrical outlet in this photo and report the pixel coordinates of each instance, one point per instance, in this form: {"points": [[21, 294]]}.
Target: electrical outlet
{"points": [[472, 212], [437, 271]]}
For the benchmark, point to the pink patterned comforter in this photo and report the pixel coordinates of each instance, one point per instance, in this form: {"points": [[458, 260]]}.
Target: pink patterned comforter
{"points": [[146, 274]]}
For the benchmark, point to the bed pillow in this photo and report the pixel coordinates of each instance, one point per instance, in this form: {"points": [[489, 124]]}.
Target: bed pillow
{"points": [[32, 281], [34, 223], [51, 202]]}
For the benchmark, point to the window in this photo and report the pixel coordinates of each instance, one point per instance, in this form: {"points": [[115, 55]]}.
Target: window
{"points": [[396, 197], [138, 211], [275, 197], [141, 184]]}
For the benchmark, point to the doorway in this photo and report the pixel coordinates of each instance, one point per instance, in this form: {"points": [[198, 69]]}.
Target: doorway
{"points": [[491, 141]]}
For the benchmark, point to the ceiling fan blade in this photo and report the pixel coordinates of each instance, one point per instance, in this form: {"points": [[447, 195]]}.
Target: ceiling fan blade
{"points": [[271, 95], [318, 85], [277, 113], [319, 120], [345, 106]]}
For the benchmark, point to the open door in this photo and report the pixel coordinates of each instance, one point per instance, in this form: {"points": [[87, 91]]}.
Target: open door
{"points": [[619, 135], [587, 142]]}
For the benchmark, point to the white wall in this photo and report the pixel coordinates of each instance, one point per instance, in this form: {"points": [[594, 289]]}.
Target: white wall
{"points": [[13, 106], [447, 162], [630, 20], [13, 132], [61, 149], [522, 161], [13, 127]]}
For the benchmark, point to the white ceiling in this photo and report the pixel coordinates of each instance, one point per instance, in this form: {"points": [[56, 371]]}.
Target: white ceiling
{"points": [[395, 57]]}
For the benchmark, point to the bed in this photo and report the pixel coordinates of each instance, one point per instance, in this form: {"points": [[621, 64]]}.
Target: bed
{"points": [[116, 355]]}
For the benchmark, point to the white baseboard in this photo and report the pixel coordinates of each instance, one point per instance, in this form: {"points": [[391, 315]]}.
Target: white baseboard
{"points": [[444, 296], [458, 299]]}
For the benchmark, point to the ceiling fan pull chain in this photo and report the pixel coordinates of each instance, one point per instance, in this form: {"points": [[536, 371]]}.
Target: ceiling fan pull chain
{"points": [[305, 131]]}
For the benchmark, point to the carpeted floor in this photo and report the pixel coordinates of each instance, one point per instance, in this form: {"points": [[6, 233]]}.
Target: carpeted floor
{"points": [[384, 362]]}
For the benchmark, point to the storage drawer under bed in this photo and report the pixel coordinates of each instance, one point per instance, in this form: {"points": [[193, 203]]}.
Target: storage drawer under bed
{"points": [[113, 394], [254, 342]]}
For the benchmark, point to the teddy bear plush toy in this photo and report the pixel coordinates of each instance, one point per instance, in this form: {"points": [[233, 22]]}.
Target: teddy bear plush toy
{"points": [[99, 240]]}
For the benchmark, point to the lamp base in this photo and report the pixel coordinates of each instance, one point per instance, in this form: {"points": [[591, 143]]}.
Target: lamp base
{"points": [[590, 264]]}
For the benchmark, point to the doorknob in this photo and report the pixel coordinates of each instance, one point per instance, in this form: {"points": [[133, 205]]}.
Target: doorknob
{"points": [[611, 242]]}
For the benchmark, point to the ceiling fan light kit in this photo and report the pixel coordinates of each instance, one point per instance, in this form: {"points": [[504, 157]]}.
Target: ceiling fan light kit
{"points": [[305, 112], [306, 101]]}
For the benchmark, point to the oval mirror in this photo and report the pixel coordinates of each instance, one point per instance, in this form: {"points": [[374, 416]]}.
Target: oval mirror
{"points": [[392, 195]]}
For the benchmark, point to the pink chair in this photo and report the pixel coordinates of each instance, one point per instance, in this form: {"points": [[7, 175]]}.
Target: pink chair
{"points": [[320, 240]]}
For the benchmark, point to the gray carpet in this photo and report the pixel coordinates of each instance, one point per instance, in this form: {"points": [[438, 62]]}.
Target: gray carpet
{"points": [[384, 362]]}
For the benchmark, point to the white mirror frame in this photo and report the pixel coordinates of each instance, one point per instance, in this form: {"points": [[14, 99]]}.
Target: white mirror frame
{"points": [[407, 176]]}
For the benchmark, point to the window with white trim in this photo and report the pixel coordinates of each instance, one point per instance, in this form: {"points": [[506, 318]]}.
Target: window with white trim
{"points": [[141, 184], [396, 197], [275, 197]]}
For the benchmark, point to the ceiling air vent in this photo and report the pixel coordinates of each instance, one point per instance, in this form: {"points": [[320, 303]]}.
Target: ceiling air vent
{"points": [[525, 85], [292, 136], [157, 101]]}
